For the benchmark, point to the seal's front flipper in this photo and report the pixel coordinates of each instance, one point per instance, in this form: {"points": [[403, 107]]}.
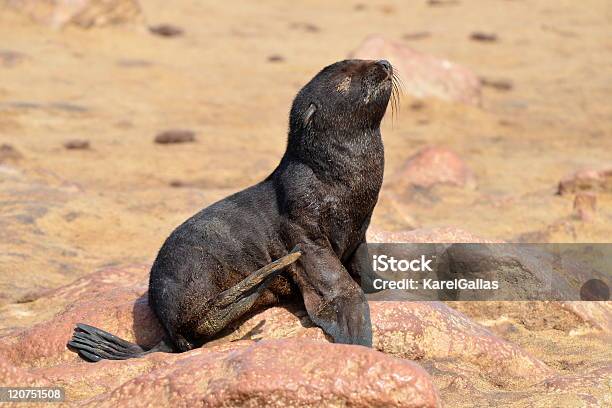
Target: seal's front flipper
{"points": [[232, 303], [346, 317], [332, 298]]}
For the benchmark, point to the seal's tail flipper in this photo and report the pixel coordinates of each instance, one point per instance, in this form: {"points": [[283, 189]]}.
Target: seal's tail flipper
{"points": [[94, 345], [229, 305]]}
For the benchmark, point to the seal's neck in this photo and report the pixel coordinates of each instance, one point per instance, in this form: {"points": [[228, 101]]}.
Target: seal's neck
{"points": [[339, 155]]}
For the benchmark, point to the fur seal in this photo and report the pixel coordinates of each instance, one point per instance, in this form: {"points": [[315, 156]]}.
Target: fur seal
{"points": [[295, 233]]}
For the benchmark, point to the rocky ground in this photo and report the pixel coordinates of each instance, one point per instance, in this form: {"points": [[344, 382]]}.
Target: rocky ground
{"points": [[514, 354], [504, 130]]}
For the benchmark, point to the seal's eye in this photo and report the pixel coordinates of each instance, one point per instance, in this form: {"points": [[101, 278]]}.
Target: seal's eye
{"points": [[344, 85]]}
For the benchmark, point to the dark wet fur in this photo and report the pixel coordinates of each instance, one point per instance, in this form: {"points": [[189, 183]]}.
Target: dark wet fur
{"points": [[215, 267]]}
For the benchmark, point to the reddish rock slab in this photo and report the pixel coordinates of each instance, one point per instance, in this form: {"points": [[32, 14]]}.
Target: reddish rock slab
{"points": [[434, 165], [11, 376], [277, 357], [433, 331], [280, 373], [113, 299], [423, 75], [83, 13], [586, 180], [414, 330], [83, 380]]}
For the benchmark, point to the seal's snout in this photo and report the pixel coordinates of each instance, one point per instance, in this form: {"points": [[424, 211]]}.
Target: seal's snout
{"points": [[386, 66]]}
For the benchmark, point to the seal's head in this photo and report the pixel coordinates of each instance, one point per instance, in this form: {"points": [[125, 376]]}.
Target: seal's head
{"points": [[348, 96]]}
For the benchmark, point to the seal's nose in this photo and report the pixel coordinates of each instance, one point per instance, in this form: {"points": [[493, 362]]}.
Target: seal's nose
{"points": [[386, 65]]}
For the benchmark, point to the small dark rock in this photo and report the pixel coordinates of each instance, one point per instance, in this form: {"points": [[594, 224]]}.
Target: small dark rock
{"points": [[124, 124], [483, 37], [134, 63], [175, 136], [417, 106], [437, 3], [308, 27], [418, 35], [31, 296], [276, 58], [72, 215], [359, 7], [499, 84], [68, 107], [23, 105], [506, 123], [77, 144], [25, 219], [9, 153], [387, 9], [177, 183], [166, 30], [10, 58]]}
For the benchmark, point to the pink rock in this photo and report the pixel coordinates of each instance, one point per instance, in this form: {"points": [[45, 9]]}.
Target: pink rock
{"points": [[280, 373], [432, 166], [432, 331], [586, 180], [277, 357], [423, 75], [415, 330], [84, 13], [11, 376], [112, 298]]}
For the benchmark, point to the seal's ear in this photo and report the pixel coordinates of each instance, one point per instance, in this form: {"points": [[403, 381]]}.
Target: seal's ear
{"points": [[308, 114]]}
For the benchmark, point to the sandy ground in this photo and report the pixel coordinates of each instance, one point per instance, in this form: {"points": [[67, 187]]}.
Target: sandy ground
{"points": [[66, 212]]}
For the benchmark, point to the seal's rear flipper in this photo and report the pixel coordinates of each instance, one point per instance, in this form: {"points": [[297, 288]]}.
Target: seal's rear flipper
{"points": [[229, 305], [253, 281], [94, 344]]}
